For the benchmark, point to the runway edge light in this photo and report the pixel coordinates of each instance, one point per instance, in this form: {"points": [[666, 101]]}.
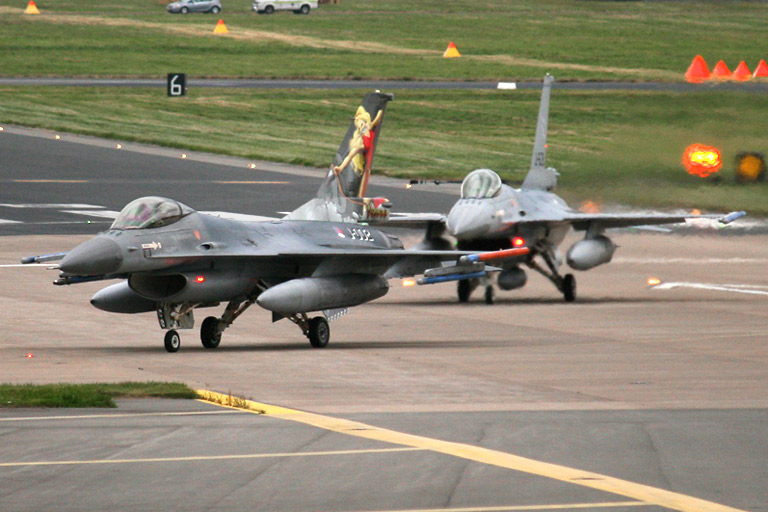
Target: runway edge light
{"points": [[31, 8], [698, 71], [451, 51], [221, 28]]}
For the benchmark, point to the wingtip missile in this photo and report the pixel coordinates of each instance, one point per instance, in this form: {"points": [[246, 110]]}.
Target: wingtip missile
{"points": [[731, 217], [43, 258], [450, 277]]}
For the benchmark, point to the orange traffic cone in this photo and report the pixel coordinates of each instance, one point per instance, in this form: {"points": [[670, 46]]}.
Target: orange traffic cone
{"points": [[742, 72], [698, 71], [451, 51], [721, 71], [31, 8], [221, 28], [761, 71]]}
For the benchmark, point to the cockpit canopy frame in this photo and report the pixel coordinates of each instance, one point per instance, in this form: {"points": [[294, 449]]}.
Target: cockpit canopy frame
{"points": [[150, 212], [481, 184]]}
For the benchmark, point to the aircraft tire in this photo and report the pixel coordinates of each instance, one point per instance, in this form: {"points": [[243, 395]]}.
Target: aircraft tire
{"points": [[319, 333], [210, 334], [569, 288], [489, 299], [172, 341], [464, 288]]}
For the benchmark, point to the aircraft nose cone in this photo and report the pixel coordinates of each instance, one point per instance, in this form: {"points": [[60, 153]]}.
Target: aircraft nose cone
{"points": [[467, 222], [94, 257]]}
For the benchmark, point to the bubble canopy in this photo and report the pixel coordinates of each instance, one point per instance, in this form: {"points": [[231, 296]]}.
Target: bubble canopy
{"points": [[481, 184], [150, 212]]}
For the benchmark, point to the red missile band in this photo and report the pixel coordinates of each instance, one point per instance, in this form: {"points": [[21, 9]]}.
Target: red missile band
{"points": [[495, 255]]}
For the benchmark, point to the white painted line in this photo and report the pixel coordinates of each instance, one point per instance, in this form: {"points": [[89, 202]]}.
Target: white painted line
{"points": [[103, 214], [689, 261], [116, 415], [49, 205], [733, 288], [205, 457], [515, 508], [6, 221], [510, 86]]}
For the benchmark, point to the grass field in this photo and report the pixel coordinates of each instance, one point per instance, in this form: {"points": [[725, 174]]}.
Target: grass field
{"points": [[87, 395], [611, 147]]}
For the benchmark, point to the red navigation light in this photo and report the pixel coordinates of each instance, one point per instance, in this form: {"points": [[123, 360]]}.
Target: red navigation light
{"points": [[200, 279], [518, 241], [701, 160]]}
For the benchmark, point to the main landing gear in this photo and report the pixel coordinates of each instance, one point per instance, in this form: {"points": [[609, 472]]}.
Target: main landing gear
{"points": [[566, 284], [180, 317]]}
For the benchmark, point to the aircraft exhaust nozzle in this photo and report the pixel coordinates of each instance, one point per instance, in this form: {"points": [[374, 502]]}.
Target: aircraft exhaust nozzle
{"points": [[318, 293], [119, 298], [97, 256], [590, 252]]}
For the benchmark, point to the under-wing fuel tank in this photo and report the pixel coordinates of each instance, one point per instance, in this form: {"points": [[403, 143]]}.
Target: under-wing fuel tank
{"points": [[318, 293]]}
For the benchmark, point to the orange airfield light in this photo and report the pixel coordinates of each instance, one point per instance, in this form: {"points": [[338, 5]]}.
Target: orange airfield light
{"points": [[701, 160]]}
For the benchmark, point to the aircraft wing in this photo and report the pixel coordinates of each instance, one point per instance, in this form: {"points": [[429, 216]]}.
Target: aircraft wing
{"points": [[411, 220], [583, 221]]}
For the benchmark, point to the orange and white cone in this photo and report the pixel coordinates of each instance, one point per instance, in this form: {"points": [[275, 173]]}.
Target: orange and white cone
{"points": [[31, 8], [221, 28], [451, 51]]}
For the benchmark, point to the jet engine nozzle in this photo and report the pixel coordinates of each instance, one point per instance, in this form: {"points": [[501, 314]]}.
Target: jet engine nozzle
{"points": [[97, 256], [590, 252]]}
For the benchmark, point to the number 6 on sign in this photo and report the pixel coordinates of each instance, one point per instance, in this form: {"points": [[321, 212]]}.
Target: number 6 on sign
{"points": [[177, 84]]}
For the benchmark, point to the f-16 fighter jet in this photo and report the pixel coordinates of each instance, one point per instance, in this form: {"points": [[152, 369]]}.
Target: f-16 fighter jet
{"points": [[171, 260], [491, 216]]}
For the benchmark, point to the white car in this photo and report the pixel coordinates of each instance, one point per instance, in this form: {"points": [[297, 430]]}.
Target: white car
{"points": [[297, 6], [187, 6]]}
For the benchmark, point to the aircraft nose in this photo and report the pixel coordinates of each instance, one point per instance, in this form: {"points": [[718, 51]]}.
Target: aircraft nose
{"points": [[96, 256], [468, 221]]}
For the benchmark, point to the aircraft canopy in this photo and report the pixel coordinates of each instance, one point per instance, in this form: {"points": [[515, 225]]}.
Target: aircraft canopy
{"points": [[150, 212], [481, 184]]}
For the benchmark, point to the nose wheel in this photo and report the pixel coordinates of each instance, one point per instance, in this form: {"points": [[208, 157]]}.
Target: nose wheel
{"points": [[172, 341]]}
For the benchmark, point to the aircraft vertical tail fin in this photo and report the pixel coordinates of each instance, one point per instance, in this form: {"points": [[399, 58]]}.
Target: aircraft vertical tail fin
{"points": [[341, 196], [539, 176]]}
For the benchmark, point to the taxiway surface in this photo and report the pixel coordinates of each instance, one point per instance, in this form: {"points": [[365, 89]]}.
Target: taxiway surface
{"points": [[662, 387]]}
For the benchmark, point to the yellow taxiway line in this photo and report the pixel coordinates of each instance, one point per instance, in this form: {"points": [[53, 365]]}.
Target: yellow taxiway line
{"points": [[645, 494]]}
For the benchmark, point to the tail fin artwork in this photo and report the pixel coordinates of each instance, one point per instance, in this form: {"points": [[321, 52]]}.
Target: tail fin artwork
{"points": [[539, 176], [341, 196]]}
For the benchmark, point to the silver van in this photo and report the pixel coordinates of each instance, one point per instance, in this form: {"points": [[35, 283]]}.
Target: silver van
{"points": [[297, 6]]}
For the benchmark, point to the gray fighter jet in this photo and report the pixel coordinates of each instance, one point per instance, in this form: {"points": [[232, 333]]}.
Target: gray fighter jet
{"points": [[492, 216], [172, 260]]}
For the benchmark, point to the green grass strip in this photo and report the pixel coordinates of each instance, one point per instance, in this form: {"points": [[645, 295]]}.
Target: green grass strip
{"points": [[87, 395]]}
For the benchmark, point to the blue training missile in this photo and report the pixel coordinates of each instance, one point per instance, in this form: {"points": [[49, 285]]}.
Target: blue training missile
{"points": [[450, 277]]}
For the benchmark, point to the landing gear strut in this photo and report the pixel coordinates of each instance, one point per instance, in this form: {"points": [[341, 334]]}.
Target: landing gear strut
{"points": [[566, 284], [315, 329]]}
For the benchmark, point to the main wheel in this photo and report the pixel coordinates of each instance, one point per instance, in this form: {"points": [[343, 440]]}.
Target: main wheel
{"points": [[269, 9], [172, 341], [464, 288], [304, 9], [319, 333], [489, 294], [569, 288], [210, 334]]}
